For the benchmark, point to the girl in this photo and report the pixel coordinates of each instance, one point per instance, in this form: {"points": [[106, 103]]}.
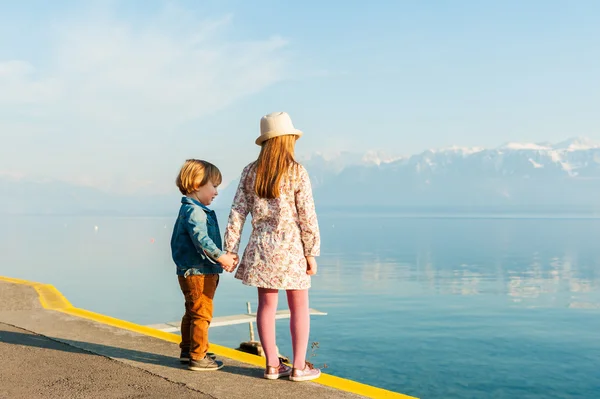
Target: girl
{"points": [[280, 254]]}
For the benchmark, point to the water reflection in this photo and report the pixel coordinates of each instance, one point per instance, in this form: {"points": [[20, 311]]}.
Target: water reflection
{"points": [[530, 262]]}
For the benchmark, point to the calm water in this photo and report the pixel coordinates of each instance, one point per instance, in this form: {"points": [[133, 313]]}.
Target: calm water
{"points": [[433, 307]]}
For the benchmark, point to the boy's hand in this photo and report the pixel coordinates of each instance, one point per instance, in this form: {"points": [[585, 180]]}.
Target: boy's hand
{"points": [[232, 260], [311, 265], [228, 261]]}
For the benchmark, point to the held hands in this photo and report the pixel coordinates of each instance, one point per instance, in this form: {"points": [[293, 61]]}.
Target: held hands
{"points": [[311, 265], [229, 261]]}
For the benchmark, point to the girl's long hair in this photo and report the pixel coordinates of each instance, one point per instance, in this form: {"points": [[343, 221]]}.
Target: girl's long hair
{"points": [[273, 164]]}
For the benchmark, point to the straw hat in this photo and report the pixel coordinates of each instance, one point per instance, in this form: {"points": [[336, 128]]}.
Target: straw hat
{"points": [[276, 124]]}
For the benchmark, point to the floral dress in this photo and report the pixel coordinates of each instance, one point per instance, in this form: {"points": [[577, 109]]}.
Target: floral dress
{"points": [[284, 231]]}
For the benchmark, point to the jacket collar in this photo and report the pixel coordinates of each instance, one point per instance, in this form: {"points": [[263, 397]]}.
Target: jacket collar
{"points": [[191, 201]]}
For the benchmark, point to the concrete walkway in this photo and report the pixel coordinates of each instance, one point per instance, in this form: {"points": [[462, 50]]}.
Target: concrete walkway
{"points": [[52, 354], [34, 366]]}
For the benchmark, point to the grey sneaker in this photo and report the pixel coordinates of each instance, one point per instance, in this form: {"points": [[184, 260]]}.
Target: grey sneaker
{"points": [[206, 364], [309, 373], [185, 356]]}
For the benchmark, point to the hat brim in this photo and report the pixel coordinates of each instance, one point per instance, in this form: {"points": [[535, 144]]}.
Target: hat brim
{"points": [[269, 135]]}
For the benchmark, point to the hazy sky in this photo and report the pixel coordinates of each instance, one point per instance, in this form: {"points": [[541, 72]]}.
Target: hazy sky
{"points": [[117, 94]]}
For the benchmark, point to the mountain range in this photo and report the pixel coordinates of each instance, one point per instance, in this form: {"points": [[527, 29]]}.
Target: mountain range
{"points": [[564, 175], [525, 175]]}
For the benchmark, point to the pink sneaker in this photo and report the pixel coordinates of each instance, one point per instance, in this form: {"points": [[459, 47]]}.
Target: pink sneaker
{"points": [[273, 373], [309, 373]]}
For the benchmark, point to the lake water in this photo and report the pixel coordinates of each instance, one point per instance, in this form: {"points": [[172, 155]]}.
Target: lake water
{"points": [[436, 307]]}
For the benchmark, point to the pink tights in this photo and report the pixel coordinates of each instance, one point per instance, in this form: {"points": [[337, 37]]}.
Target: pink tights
{"points": [[299, 324]]}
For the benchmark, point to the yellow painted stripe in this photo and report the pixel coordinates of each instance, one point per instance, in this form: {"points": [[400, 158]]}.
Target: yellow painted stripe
{"points": [[18, 281], [52, 299]]}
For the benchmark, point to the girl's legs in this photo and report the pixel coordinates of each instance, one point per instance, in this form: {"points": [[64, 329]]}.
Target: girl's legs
{"points": [[299, 325], [265, 321]]}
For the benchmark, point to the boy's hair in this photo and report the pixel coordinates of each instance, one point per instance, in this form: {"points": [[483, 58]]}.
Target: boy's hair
{"points": [[273, 164], [195, 173]]}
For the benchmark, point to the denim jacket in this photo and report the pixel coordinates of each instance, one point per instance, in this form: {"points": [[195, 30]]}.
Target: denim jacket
{"points": [[195, 235]]}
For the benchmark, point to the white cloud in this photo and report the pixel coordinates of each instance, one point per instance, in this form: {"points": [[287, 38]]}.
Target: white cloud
{"points": [[109, 71], [109, 84]]}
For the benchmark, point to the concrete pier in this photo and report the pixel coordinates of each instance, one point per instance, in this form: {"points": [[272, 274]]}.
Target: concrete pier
{"points": [[51, 349]]}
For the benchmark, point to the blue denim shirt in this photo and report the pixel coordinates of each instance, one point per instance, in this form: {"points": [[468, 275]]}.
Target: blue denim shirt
{"points": [[196, 238]]}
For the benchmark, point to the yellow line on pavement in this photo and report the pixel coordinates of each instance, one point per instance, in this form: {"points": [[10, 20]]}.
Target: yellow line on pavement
{"points": [[52, 299]]}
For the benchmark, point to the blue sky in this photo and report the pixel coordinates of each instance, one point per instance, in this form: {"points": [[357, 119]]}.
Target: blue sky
{"points": [[116, 94]]}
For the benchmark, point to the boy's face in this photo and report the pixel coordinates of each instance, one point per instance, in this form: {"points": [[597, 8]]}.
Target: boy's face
{"points": [[206, 193]]}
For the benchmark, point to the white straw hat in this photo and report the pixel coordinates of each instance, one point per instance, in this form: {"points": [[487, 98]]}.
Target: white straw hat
{"points": [[276, 124]]}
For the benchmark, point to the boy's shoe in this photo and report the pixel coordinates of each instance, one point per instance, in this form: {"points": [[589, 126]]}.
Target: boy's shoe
{"points": [[185, 356], [309, 373], [273, 373], [206, 364]]}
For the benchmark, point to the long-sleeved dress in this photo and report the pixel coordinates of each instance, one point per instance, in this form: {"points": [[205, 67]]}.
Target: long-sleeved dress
{"points": [[284, 231]]}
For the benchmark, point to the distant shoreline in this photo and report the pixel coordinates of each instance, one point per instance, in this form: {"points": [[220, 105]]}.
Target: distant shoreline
{"points": [[425, 212]]}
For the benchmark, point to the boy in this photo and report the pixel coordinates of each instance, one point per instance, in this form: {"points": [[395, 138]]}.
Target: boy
{"points": [[196, 248]]}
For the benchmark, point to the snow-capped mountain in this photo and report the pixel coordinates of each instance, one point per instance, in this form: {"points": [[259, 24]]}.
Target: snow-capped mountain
{"points": [[564, 176], [323, 167], [573, 157], [525, 174]]}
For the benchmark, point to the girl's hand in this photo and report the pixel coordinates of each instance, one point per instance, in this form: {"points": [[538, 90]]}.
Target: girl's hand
{"points": [[311, 265], [228, 261], [236, 261]]}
